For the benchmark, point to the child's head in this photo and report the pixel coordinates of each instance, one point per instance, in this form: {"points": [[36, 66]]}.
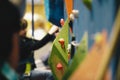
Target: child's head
{"points": [[23, 28]]}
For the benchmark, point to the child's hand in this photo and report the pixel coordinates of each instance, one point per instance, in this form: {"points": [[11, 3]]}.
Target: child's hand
{"points": [[53, 29]]}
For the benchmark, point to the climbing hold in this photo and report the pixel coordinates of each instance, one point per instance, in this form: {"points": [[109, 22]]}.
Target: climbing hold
{"points": [[62, 42], [98, 38], [75, 13], [72, 17], [59, 66], [62, 21]]}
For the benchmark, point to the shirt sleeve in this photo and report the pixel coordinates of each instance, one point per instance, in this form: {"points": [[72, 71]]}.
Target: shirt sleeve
{"points": [[32, 44]]}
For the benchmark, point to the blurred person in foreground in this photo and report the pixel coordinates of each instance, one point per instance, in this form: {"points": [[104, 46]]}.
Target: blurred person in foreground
{"points": [[9, 48], [27, 46]]}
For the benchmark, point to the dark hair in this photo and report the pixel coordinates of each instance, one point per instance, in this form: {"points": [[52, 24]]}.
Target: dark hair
{"points": [[10, 24], [24, 24]]}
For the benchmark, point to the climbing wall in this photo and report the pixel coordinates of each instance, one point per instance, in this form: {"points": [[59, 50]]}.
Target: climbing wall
{"points": [[100, 16]]}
